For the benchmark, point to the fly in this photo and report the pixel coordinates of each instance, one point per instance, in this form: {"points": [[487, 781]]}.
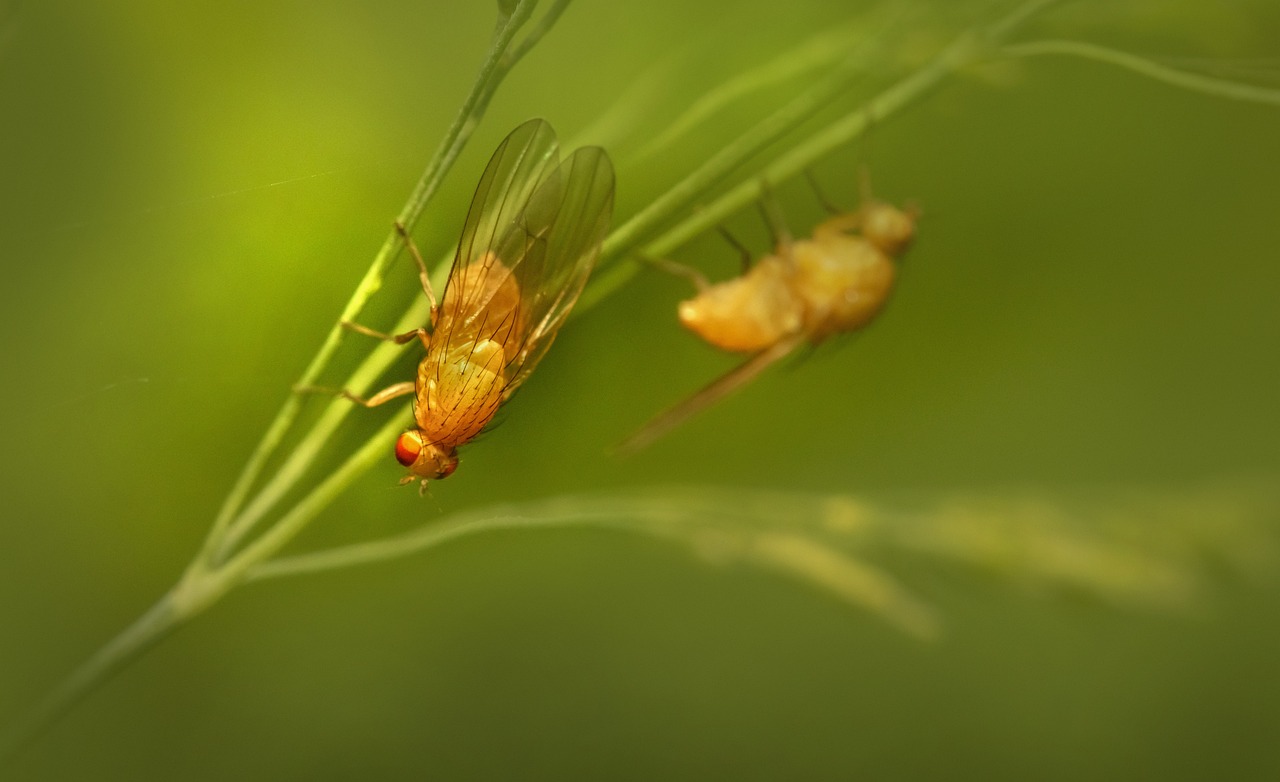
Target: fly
{"points": [[806, 290], [531, 238]]}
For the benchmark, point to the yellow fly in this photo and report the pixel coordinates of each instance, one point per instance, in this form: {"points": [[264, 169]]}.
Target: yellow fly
{"points": [[531, 239], [805, 291]]}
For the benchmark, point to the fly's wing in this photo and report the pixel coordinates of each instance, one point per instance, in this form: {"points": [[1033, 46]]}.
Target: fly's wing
{"points": [[554, 250], [718, 389], [525, 159]]}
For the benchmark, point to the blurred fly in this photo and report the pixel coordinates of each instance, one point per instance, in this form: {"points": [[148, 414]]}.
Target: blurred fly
{"points": [[806, 290], [531, 238]]}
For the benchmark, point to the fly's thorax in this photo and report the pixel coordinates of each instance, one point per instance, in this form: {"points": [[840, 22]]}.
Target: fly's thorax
{"points": [[424, 458], [884, 225], [747, 313], [843, 281], [459, 393]]}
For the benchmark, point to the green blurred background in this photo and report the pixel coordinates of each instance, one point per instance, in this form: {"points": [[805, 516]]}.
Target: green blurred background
{"points": [[189, 193]]}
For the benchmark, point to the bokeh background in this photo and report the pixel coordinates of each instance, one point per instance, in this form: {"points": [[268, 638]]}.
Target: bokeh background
{"points": [[190, 192]]}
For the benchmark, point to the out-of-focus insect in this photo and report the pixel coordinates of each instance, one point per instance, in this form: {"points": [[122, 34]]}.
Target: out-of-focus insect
{"points": [[805, 291], [531, 238]]}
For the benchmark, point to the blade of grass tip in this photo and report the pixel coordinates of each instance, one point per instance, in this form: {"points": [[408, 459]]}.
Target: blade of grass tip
{"points": [[492, 72], [1188, 80]]}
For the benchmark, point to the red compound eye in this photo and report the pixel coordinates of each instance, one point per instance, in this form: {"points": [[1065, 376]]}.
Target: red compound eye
{"points": [[408, 446]]}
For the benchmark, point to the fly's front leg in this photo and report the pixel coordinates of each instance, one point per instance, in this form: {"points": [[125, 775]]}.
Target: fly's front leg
{"points": [[423, 275], [382, 397]]}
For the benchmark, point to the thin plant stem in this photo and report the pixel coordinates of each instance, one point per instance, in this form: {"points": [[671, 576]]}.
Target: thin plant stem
{"points": [[1196, 82]]}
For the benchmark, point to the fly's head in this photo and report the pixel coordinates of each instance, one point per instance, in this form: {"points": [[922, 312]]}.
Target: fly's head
{"points": [[426, 460], [887, 227]]}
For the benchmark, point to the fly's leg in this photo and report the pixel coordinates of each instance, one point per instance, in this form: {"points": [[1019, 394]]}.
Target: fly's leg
{"points": [[739, 246], [689, 273], [827, 203], [844, 221], [865, 193], [420, 333], [386, 394], [773, 218], [382, 397], [423, 275]]}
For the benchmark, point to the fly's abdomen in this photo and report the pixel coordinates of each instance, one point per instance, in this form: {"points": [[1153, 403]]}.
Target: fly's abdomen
{"points": [[747, 313]]}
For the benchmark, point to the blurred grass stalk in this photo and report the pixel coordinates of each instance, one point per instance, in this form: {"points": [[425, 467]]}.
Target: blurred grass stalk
{"points": [[231, 555]]}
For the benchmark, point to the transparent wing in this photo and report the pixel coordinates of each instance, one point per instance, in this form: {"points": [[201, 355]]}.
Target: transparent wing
{"points": [[523, 161], [565, 223], [718, 389], [532, 236]]}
